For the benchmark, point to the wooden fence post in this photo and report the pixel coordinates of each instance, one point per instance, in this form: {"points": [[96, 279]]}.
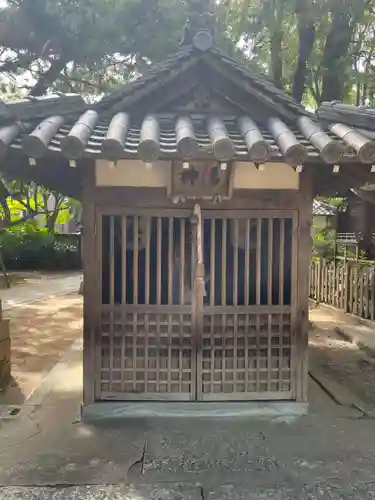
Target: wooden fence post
{"points": [[346, 286], [319, 281]]}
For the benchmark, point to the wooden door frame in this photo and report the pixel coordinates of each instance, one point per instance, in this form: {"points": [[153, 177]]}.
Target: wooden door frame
{"points": [[122, 211], [201, 308]]}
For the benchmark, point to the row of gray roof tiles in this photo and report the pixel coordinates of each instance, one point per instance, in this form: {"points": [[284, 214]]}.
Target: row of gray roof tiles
{"points": [[187, 137]]}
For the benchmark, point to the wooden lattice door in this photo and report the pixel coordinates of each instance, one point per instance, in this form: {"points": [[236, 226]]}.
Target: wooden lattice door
{"points": [[147, 341], [171, 329], [246, 344]]}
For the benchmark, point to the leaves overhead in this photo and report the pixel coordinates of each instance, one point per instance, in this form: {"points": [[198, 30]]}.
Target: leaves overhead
{"points": [[317, 49], [86, 44]]}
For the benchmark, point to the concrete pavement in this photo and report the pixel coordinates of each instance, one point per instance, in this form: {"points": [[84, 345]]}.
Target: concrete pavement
{"points": [[41, 289], [359, 331], [47, 453]]}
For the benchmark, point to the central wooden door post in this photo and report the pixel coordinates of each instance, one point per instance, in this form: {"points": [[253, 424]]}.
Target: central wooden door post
{"points": [[198, 292]]}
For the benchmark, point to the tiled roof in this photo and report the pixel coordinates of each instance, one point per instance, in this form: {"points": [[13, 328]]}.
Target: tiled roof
{"points": [[65, 125]]}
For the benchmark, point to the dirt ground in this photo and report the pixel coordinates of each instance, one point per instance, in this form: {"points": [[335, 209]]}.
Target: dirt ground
{"points": [[40, 334], [341, 360]]}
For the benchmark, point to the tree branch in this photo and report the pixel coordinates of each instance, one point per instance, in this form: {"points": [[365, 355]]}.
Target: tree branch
{"points": [[48, 77]]}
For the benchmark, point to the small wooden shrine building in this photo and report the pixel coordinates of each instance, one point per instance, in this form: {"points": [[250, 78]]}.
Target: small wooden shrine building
{"points": [[197, 181]]}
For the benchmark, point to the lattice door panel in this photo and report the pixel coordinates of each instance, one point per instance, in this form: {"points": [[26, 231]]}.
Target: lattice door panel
{"points": [[246, 344], [147, 343], [147, 356], [246, 356]]}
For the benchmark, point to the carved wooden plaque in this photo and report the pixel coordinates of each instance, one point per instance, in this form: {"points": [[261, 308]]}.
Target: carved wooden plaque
{"points": [[202, 180]]}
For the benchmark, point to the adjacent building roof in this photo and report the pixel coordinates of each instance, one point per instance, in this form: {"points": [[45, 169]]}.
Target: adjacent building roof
{"points": [[323, 208]]}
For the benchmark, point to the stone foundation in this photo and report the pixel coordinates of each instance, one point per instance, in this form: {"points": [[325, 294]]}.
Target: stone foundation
{"points": [[5, 365]]}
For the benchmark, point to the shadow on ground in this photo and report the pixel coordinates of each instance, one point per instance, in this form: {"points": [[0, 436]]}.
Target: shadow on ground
{"points": [[40, 335], [341, 360]]}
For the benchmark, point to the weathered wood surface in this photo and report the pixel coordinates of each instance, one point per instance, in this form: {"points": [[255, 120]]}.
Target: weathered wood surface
{"points": [[344, 284]]}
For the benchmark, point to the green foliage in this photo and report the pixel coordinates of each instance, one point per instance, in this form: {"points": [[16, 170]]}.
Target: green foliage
{"points": [[21, 202], [324, 244], [32, 248], [87, 46], [324, 48]]}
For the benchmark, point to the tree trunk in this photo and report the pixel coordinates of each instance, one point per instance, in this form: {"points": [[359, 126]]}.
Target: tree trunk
{"points": [[276, 58], [334, 62], [306, 31]]}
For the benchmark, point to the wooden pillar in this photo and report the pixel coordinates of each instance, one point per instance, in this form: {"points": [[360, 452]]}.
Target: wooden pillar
{"points": [[301, 302], [90, 282]]}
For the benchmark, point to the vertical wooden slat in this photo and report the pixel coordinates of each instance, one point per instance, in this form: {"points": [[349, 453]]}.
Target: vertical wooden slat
{"points": [[123, 363], [111, 354], [170, 260], [135, 259], [135, 321], [280, 353], [337, 287], [224, 263], [270, 261], [269, 354], [361, 276], [247, 263], [257, 340], [235, 262], [212, 262], [146, 347], [111, 260], [123, 258], [355, 294], [342, 285], [158, 261], [247, 353], [325, 267], [148, 259], [348, 289], [281, 261], [320, 276], [180, 351], [235, 351], [366, 293], [182, 260], [258, 261], [224, 321], [169, 362], [212, 374]]}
